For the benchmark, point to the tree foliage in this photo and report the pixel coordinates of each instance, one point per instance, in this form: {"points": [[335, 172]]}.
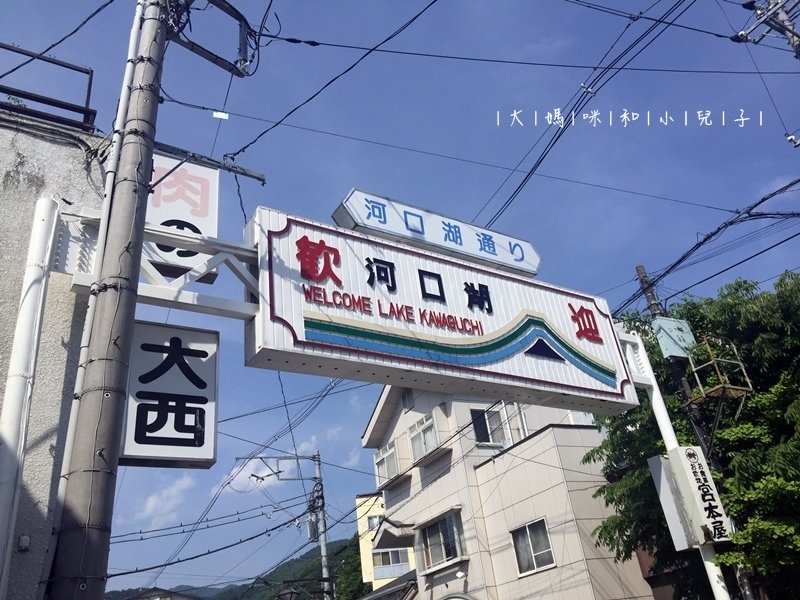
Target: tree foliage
{"points": [[757, 443]]}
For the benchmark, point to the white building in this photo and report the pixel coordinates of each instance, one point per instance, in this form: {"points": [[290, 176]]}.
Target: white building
{"points": [[493, 499]]}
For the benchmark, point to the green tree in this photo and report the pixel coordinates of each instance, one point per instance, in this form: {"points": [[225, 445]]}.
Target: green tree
{"points": [[349, 585], [758, 444]]}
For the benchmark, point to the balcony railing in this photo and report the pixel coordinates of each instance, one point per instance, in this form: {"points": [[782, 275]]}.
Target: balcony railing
{"points": [[391, 571]]}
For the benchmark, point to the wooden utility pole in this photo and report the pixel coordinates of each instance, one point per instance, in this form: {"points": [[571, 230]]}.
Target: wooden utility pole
{"points": [[81, 560]]}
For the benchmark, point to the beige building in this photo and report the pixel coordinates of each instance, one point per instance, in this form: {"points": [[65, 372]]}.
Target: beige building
{"points": [[378, 566], [492, 499]]}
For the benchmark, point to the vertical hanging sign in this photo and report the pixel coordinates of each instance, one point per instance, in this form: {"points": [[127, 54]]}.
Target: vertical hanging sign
{"points": [[171, 412], [187, 199], [707, 520]]}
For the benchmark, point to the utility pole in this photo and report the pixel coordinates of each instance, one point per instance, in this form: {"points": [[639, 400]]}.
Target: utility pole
{"points": [[699, 425], [775, 16], [327, 586], [81, 560]]}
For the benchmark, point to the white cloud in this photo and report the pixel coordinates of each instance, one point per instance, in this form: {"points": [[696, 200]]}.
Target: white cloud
{"points": [[161, 507], [334, 433], [353, 458], [308, 448]]}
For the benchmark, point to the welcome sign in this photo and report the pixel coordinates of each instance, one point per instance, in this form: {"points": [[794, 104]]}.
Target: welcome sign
{"points": [[338, 303]]}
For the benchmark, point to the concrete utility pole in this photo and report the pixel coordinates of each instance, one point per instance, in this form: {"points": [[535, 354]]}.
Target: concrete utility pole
{"points": [[677, 371], [776, 16], [783, 23], [81, 560], [327, 586]]}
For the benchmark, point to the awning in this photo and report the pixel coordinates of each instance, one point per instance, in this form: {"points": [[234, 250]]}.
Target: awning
{"points": [[391, 534]]}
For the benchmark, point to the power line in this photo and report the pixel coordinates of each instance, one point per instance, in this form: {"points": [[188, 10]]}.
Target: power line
{"points": [[744, 260], [291, 434], [733, 244], [526, 63], [179, 525], [169, 98], [210, 526], [80, 26], [329, 464], [291, 402], [636, 17], [589, 90], [760, 74], [238, 469], [745, 215], [232, 155], [779, 274], [207, 552]]}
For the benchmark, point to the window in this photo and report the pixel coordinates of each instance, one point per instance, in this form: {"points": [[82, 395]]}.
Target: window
{"points": [[373, 521], [385, 463], [423, 437], [440, 542], [488, 426], [386, 558], [389, 564], [532, 547]]}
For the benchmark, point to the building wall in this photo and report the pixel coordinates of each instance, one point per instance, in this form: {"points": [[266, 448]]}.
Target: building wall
{"points": [[498, 488], [436, 486], [367, 505], [544, 478], [372, 505], [41, 161]]}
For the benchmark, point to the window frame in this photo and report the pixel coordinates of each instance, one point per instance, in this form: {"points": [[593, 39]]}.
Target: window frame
{"points": [[385, 454], [389, 551], [427, 422], [533, 555], [377, 523], [422, 542], [484, 414]]}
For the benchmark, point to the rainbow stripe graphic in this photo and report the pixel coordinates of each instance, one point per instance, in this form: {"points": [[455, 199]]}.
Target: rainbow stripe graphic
{"points": [[514, 339]]}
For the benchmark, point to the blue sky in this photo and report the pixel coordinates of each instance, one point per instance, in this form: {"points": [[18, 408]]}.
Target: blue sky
{"points": [[590, 238]]}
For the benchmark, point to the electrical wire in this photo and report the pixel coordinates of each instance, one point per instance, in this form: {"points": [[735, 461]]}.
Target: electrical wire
{"points": [[760, 74], [206, 553], [179, 525], [590, 89], [238, 469], [291, 433], [744, 215], [292, 402], [168, 98], [80, 26], [526, 63], [219, 121], [726, 269], [207, 527], [795, 270], [733, 244], [231, 156], [636, 17]]}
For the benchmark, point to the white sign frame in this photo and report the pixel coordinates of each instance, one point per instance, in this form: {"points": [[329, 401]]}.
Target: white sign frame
{"points": [[387, 218], [151, 372], [382, 335]]}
